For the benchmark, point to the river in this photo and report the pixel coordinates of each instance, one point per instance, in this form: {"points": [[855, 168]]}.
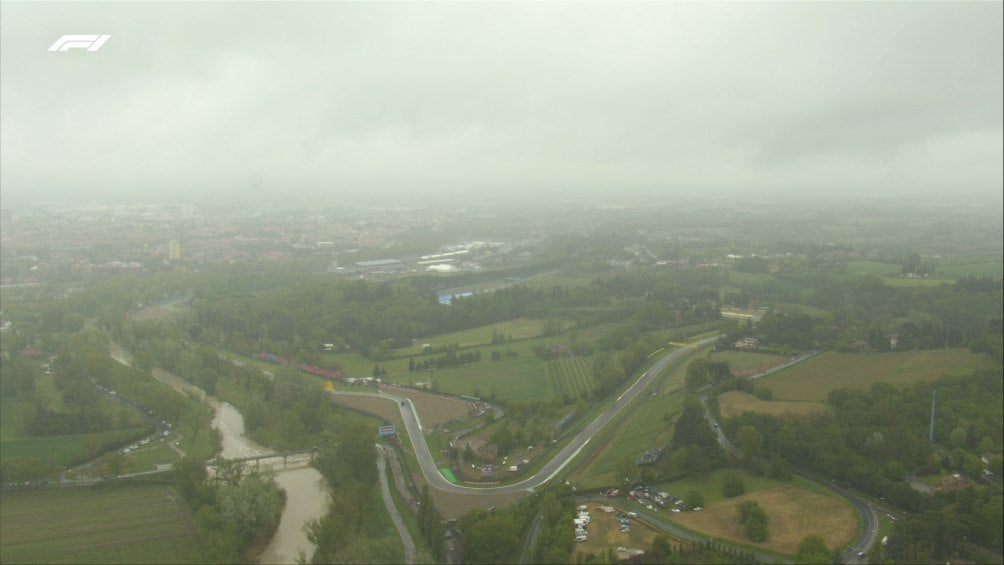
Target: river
{"points": [[306, 491]]}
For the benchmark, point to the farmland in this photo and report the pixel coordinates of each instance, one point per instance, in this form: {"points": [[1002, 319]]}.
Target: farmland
{"points": [[734, 403], [572, 377], [744, 364], [64, 449], [520, 378], [890, 271], [127, 524], [519, 329], [61, 449], [517, 379], [815, 378]]}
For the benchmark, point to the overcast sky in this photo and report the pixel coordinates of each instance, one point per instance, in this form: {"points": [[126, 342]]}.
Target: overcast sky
{"points": [[462, 98]]}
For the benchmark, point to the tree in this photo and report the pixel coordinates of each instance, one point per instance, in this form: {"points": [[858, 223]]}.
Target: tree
{"points": [[749, 440], [116, 462], [813, 551], [985, 445], [959, 437], [198, 419], [661, 549], [754, 520], [693, 499], [733, 486], [72, 322], [251, 507], [503, 440], [697, 374]]}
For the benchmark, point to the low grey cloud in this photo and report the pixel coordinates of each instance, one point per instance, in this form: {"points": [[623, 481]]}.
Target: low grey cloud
{"points": [[425, 97]]}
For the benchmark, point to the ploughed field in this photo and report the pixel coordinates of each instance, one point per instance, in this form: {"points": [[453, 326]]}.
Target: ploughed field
{"points": [[119, 524]]}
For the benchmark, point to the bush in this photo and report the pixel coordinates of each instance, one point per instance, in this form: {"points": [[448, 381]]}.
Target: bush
{"points": [[693, 499], [754, 521], [733, 486]]}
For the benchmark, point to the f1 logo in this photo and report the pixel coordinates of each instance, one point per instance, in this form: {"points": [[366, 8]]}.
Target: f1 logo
{"points": [[88, 42]]}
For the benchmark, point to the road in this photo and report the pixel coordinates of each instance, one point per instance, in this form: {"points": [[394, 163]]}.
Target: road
{"points": [[550, 469], [531, 540], [395, 516]]}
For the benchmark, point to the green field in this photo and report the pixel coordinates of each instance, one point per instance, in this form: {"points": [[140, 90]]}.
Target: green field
{"points": [[572, 377], [642, 427], [743, 360], [8, 419], [45, 388], [986, 269], [126, 524], [795, 509], [864, 268], [521, 328], [60, 449], [891, 270], [710, 485], [523, 378], [944, 274], [517, 379], [815, 378]]}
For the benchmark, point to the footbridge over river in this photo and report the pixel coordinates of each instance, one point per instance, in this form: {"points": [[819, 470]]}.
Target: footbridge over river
{"points": [[277, 462]]}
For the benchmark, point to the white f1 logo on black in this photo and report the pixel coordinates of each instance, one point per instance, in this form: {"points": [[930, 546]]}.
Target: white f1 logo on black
{"points": [[88, 42]]}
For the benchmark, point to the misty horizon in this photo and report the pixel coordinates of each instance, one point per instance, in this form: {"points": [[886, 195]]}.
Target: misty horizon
{"points": [[442, 102]]}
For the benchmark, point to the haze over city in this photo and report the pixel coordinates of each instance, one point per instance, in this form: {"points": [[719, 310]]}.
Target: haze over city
{"points": [[460, 101]]}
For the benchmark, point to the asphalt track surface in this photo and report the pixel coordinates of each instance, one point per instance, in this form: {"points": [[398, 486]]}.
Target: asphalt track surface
{"points": [[550, 469]]}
